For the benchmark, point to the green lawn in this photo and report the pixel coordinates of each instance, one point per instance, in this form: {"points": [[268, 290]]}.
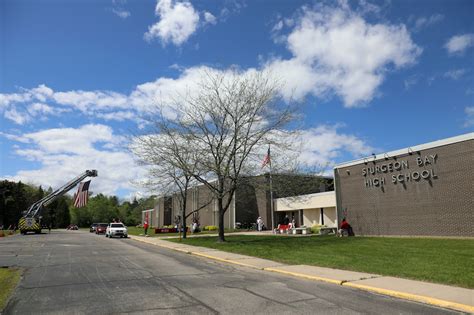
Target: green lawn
{"points": [[447, 261], [8, 281], [133, 230]]}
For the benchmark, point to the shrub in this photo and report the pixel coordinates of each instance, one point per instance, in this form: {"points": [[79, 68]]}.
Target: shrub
{"points": [[316, 228], [210, 228]]}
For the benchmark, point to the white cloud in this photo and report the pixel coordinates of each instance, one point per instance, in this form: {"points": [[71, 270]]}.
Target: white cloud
{"points": [[16, 116], [410, 81], [121, 13], [161, 92], [209, 18], [324, 144], [119, 10], [108, 105], [118, 116], [36, 109], [41, 93], [335, 51], [70, 151], [469, 110], [13, 137], [278, 26], [455, 74], [91, 100], [66, 152], [459, 43], [424, 22], [42, 101], [314, 149], [340, 52], [7, 99], [178, 21]]}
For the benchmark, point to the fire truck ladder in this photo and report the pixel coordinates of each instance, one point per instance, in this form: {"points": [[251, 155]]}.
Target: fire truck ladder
{"points": [[30, 219]]}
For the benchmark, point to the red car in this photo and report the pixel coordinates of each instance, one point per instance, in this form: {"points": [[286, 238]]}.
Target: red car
{"points": [[101, 227]]}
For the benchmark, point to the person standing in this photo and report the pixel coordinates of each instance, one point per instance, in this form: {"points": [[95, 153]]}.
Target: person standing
{"points": [[145, 227], [259, 224]]}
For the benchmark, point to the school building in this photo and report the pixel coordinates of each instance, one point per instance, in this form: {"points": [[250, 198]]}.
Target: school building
{"points": [[425, 190], [250, 201]]}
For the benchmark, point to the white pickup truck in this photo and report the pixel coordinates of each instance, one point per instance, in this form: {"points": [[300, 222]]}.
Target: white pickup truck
{"points": [[116, 229]]}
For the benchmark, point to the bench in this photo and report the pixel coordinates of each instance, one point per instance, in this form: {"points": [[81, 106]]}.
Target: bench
{"points": [[327, 230], [282, 228], [301, 230]]}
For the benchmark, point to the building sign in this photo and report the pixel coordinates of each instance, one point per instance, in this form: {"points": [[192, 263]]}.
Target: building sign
{"points": [[399, 172]]}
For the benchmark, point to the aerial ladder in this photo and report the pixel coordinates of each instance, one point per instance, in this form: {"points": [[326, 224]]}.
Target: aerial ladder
{"points": [[31, 219]]}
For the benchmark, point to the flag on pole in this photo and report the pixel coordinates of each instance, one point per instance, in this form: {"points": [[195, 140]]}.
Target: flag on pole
{"points": [[82, 195], [267, 160]]}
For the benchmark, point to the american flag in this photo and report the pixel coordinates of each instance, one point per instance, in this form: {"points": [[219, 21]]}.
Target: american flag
{"points": [[82, 195], [266, 160]]}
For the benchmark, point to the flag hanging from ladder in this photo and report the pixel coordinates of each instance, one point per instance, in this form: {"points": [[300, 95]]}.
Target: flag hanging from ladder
{"points": [[267, 159], [82, 195]]}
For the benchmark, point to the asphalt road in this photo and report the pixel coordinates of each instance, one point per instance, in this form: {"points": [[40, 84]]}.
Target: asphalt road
{"points": [[74, 272]]}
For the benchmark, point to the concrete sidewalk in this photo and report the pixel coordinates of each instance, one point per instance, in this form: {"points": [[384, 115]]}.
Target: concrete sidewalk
{"points": [[434, 294]]}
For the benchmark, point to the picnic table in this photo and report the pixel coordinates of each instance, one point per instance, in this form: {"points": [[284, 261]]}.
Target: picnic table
{"points": [[301, 230]]}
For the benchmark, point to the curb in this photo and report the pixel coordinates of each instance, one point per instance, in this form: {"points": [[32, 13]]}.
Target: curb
{"points": [[413, 297], [302, 275], [226, 260], [393, 293]]}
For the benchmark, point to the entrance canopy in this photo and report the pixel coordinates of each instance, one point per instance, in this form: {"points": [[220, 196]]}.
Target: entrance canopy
{"points": [[310, 201]]}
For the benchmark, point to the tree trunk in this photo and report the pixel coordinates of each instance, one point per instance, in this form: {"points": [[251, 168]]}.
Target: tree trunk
{"points": [[221, 221], [183, 219]]}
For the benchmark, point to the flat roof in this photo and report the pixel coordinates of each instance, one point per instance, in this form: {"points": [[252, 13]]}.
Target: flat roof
{"points": [[425, 146], [325, 199]]}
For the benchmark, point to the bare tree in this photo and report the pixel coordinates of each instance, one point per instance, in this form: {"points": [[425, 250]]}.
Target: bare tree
{"points": [[222, 124], [171, 164]]}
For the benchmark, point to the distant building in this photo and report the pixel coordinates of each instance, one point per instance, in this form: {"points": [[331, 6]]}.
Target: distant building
{"points": [[250, 201], [426, 189]]}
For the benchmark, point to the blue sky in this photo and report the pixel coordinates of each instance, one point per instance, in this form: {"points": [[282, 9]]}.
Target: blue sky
{"points": [[369, 76]]}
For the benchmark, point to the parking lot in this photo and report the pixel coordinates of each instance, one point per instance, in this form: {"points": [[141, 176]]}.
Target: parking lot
{"points": [[80, 272]]}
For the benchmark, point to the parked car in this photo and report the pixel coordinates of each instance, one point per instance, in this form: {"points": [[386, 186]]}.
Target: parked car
{"points": [[116, 229], [93, 226], [72, 227], [101, 228]]}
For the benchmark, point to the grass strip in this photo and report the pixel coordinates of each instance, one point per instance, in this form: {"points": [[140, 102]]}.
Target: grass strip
{"points": [[9, 278], [446, 261]]}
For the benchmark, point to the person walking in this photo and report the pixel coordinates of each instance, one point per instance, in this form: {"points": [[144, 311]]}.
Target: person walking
{"points": [[259, 224], [145, 227]]}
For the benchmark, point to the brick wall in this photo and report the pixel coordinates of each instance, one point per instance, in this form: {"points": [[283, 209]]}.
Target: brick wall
{"points": [[441, 204]]}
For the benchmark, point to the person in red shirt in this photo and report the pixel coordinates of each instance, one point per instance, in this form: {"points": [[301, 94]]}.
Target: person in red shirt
{"points": [[145, 227], [346, 228]]}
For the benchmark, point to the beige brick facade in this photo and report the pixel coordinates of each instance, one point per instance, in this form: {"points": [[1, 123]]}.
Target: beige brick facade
{"points": [[424, 190], [251, 200]]}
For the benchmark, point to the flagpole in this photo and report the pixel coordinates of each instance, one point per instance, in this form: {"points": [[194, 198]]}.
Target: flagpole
{"points": [[271, 191]]}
